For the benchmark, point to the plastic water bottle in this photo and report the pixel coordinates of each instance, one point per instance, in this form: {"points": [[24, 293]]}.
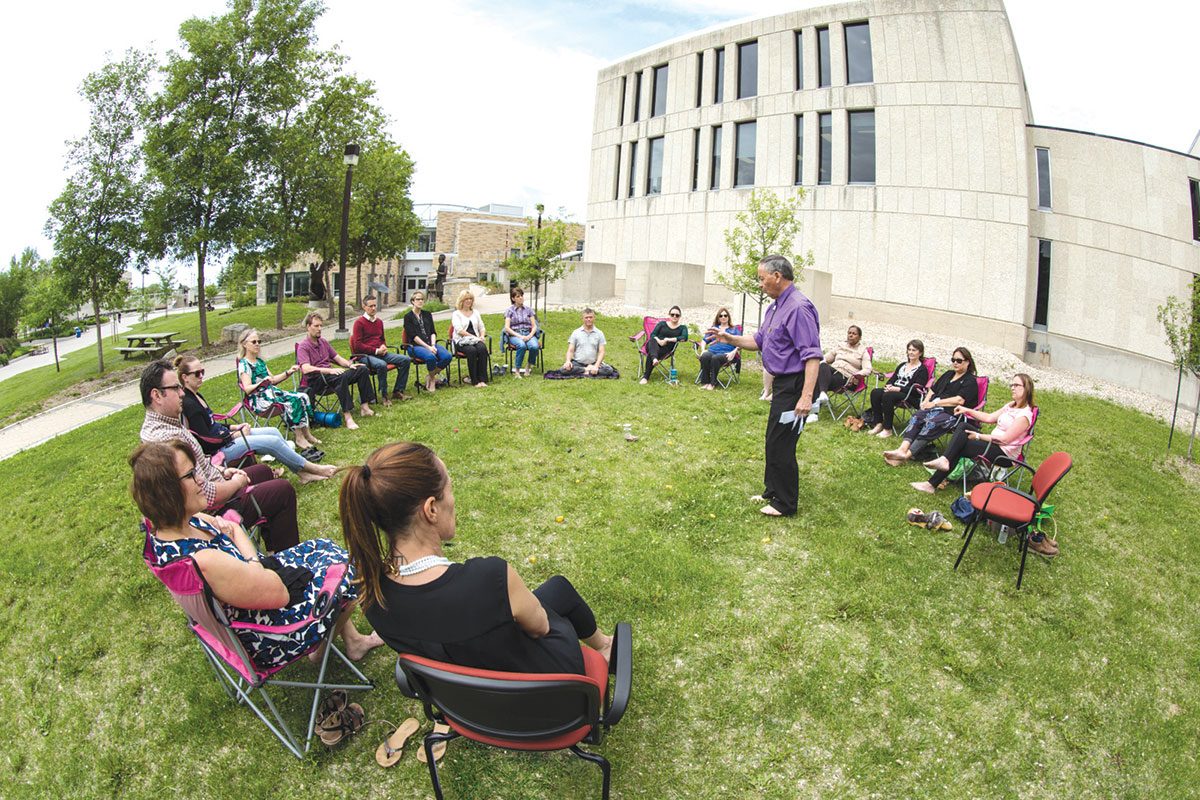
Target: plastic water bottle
{"points": [[1002, 537], [674, 379]]}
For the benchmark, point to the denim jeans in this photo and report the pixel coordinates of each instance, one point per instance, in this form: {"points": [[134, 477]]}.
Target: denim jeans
{"points": [[522, 347], [433, 360], [265, 441], [379, 365]]}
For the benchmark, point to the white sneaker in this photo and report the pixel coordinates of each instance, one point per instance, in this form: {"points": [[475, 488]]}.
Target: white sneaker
{"points": [[822, 400], [811, 418]]}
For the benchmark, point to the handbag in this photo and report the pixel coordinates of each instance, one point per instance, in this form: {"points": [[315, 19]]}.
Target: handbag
{"points": [[962, 509]]}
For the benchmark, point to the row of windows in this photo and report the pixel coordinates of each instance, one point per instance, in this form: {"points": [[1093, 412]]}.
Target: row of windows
{"points": [[857, 70], [860, 155]]}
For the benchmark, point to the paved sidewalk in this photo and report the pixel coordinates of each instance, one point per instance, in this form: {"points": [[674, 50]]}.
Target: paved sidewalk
{"points": [[43, 427]]}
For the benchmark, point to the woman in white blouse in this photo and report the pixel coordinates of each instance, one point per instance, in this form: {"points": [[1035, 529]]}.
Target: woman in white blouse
{"points": [[469, 338]]}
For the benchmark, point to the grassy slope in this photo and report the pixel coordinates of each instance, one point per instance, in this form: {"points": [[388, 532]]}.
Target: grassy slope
{"points": [[835, 654]]}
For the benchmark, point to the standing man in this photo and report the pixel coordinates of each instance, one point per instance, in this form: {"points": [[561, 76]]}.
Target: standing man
{"points": [[585, 349], [326, 371], [367, 342], [790, 342]]}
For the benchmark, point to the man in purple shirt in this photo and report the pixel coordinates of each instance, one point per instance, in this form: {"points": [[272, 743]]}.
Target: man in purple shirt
{"points": [[327, 372], [790, 342]]}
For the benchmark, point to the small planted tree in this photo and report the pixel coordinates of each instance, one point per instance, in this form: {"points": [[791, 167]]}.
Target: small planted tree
{"points": [[1181, 323], [47, 304], [166, 285], [769, 225], [538, 262]]}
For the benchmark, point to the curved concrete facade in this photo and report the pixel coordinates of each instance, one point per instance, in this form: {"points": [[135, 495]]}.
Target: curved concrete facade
{"points": [[947, 235]]}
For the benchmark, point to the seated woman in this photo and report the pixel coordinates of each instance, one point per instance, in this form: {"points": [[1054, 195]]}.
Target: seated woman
{"points": [[842, 366], [1012, 421], [955, 387], [234, 441], [520, 330], [252, 371], [666, 334], [397, 510], [904, 387], [265, 590], [716, 354], [469, 336], [421, 335]]}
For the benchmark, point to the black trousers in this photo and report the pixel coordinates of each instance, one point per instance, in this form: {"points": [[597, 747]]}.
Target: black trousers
{"points": [[477, 360], [277, 499], [828, 378], [962, 447], [781, 476], [340, 385], [883, 405], [558, 595], [710, 365], [656, 352]]}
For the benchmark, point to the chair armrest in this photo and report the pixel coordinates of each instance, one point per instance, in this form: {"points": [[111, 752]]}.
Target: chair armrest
{"points": [[620, 664], [638, 338], [402, 682]]}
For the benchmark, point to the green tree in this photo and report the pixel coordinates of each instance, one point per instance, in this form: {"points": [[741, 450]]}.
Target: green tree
{"points": [[382, 221], [14, 284], [1181, 323], [47, 304], [95, 221], [769, 225], [538, 262], [165, 288]]}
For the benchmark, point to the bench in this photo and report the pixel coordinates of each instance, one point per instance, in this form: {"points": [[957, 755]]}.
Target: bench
{"points": [[157, 350]]}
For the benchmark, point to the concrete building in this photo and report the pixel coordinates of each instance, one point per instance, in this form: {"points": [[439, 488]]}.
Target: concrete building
{"points": [[933, 200]]}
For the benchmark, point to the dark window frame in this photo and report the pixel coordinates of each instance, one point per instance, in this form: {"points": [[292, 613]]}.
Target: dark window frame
{"points": [[824, 60], [850, 150], [846, 28], [637, 95], [617, 175], [798, 53], [714, 158], [719, 75], [798, 156], [657, 94], [632, 185], [824, 149], [1194, 191], [621, 107], [738, 129], [650, 164], [1044, 187], [742, 49], [695, 159], [699, 79], [1041, 302]]}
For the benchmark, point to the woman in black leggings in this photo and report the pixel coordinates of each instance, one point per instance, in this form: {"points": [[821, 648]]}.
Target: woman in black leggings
{"points": [[667, 333], [904, 387]]}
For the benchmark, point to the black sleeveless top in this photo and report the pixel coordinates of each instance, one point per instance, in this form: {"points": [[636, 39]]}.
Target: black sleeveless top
{"points": [[464, 617]]}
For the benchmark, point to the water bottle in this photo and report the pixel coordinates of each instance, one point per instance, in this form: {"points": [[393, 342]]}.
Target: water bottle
{"points": [[1002, 537], [674, 379]]}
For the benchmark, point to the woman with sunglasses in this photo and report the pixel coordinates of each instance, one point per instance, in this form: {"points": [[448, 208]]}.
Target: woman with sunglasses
{"points": [[234, 441], [258, 384], [955, 387], [666, 334], [717, 354]]}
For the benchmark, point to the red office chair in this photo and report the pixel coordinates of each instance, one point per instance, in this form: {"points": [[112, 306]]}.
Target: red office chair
{"points": [[522, 711]]}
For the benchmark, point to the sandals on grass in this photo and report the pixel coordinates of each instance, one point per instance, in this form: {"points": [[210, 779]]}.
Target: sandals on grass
{"points": [[933, 521], [337, 725], [439, 749], [392, 748]]}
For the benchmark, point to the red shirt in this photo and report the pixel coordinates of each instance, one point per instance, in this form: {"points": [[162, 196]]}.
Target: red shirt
{"points": [[365, 336]]}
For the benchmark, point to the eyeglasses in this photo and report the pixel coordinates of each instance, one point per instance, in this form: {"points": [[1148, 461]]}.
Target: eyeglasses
{"points": [[722, 314], [958, 361], [1017, 385], [177, 386], [191, 473], [673, 315]]}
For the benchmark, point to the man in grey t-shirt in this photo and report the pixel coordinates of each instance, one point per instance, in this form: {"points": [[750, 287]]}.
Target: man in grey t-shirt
{"points": [[585, 349]]}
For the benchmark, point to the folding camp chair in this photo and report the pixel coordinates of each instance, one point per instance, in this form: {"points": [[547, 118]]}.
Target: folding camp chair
{"points": [[236, 671], [850, 397], [218, 458], [275, 415], [523, 711], [730, 371], [325, 402], [460, 356], [904, 410], [509, 349], [641, 342], [1000, 468], [1019, 510]]}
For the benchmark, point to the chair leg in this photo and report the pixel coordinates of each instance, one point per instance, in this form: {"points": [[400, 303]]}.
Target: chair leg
{"points": [[596, 759], [968, 532], [432, 739], [1024, 552]]}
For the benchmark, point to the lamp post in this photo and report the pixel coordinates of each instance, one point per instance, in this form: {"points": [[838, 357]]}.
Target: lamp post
{"points": [[537, 249], [349, 159]]}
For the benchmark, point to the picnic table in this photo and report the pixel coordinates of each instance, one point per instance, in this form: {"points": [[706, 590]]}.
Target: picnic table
{"points": [[154, 344]]}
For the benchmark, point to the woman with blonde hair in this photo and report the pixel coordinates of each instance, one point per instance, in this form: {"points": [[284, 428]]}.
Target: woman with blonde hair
{"points": [[469, 337], [397, 511], [258, 384]]}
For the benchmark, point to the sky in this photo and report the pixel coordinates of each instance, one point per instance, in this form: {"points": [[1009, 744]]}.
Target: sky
{"points": [[494, 100]]}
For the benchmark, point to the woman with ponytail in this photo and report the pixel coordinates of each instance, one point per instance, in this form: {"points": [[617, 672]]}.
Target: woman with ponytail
{"points": [[397, 510]]}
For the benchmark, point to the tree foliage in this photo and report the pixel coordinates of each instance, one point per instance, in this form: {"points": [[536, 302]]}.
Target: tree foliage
{"points": [[96, 221], [47, 305], [1181, 323], [382, 221], [14, 285], [769, 225], [538, 261]]}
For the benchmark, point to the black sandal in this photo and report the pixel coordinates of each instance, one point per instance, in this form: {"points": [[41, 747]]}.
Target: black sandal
{"points": [[340, 724]]}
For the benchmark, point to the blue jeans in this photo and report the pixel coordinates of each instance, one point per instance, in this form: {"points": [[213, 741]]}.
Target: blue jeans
{"points": [[379, 365], [433, 360], [265, 441], [522, 347]]}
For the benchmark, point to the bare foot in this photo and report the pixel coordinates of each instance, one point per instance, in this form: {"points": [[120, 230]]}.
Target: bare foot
{"points": [[481, 385], [277, 472], [643, 381], [387, 403], [884, 434], [313, 441], [360, 645], [938, 464], [311, 477], [875, 430], [895, 458], [923, 486], [351, 425], [366, 411]]}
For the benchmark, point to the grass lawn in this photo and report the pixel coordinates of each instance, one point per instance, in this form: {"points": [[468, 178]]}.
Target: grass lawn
{"points": [[831, 655], [25, 394]]}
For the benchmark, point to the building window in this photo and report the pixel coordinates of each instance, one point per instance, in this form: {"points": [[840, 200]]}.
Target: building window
{"points": [[746, 135], [654, 172], [1042, 303], [862, 147], [632, 168], [621, 102], [799, 61], [699, 79], [637, 96], [719, 76], [295, 284], [714, 175], [825, 72], [1043, 177], [747, 69], [617, 172], [858, 53], [799, 179], [1194, 187], [658, 100], [825, 149], [427, 240], [695, 159]]}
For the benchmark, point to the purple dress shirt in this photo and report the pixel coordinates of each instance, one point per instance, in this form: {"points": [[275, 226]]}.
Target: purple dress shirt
{"points": [[790, 334], [319, 354]]}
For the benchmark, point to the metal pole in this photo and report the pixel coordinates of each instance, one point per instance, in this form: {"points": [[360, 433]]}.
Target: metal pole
{"points": [[1175, 412], [345, 245]]}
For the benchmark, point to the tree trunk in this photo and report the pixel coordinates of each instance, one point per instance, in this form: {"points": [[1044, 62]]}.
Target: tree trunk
{"points": [[201, 252], [743, 312], [279, 298], [99, 332], [54, 339], [1175, 411]]}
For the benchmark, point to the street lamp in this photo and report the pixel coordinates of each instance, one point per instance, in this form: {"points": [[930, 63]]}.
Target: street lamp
{"points": [[537, 249], [349, 159]]}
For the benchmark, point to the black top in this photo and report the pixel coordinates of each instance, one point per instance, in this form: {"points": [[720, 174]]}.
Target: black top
{"points": [[663, 331], [464, 617], [199, 419], [918, 378], [413, 328], [965, 387]]}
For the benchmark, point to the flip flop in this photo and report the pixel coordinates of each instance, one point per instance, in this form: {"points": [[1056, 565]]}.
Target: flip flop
{"points": [[392, 748], [917, 517], [341, 724], [439, 749]]}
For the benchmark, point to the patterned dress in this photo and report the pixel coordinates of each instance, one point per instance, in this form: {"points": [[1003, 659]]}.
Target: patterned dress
{"points": [[299, 408], [270, 649]]}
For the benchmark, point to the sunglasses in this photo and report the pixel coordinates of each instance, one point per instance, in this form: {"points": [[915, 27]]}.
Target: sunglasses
{"points": [[726, 316], [958, 361], [673, 316], [199, 372], [252, 341]]}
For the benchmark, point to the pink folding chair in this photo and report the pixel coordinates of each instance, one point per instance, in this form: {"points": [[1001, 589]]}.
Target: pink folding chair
{"points": [[850, 396], [641, 341], [236, 671], [904, 411]]}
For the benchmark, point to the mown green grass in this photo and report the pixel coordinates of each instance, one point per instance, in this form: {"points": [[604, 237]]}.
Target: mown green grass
{"points": [[831, 655], [24, 394]]}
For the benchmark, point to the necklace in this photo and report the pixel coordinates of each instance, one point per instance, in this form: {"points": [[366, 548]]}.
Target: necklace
{"points": [[420, 565]]}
